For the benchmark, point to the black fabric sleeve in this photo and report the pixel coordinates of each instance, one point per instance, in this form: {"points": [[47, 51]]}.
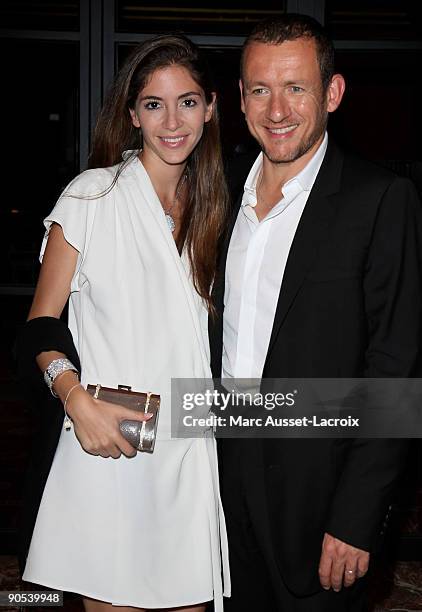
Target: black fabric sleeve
{"points": [[39, 335]]}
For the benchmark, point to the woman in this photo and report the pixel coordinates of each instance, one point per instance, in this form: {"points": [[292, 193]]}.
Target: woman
{"points": [[133, 243]]}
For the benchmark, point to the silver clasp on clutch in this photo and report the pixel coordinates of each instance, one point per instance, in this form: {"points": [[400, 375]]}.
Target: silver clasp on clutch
{"points": [[142, 434], [97, 391]]}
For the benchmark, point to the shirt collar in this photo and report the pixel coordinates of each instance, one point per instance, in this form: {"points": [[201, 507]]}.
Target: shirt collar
{"points": [[303, 181]]}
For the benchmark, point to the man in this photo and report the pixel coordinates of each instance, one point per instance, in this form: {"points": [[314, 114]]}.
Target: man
{"points": [[319, 278]]}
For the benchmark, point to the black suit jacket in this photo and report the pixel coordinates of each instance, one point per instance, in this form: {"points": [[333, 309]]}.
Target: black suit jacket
{"points": [[350, 305]]}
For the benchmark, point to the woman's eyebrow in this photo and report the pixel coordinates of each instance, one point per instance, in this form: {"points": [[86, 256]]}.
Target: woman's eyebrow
{"points": [[184, 95]]}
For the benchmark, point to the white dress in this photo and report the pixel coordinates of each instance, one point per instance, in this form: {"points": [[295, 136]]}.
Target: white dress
{"points": [[146, 531]]}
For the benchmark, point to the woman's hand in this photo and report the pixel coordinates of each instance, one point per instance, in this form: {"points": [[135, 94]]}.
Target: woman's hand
{"points": [[96, 424]]}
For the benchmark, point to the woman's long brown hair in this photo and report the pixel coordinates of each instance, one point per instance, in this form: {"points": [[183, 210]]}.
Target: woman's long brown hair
{"points": [[206, 204]]}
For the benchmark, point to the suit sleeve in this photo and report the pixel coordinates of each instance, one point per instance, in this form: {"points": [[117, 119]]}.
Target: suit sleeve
{"points": [[392, 286]]}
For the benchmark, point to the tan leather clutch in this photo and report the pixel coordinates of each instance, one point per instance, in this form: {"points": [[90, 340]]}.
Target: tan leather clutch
{"points": [[140, 435]]}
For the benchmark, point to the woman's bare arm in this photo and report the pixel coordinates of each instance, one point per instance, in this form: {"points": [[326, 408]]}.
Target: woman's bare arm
{"points": [[58, 267], [97, 430]]}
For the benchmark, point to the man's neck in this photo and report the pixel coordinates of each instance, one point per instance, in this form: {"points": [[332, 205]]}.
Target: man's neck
{"points": [[276, 175]]}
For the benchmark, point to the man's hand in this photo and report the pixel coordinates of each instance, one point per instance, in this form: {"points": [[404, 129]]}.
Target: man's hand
{"points": [[341, 563]]}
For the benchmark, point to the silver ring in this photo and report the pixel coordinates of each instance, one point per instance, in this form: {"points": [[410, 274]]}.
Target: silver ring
{"points": [[350, 571]]}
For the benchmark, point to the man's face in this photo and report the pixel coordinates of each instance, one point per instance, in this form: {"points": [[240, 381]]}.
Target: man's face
{"points": [[283, 100]]}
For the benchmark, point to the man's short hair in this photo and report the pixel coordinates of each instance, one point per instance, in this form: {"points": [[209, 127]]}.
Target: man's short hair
{"points": [[292, 26]]}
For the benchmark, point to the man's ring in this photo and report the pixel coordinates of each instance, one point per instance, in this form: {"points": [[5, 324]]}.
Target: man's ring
{"points": [[350, 571]]}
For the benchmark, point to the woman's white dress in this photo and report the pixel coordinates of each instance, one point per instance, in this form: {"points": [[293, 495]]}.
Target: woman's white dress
{"points": [[146, 531]]}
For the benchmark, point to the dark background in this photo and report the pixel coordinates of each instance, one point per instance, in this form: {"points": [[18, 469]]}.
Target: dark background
{"points": [[57, 61]]}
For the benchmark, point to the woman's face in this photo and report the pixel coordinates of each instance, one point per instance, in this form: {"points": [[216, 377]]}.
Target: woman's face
{"points": [[171, 111]]}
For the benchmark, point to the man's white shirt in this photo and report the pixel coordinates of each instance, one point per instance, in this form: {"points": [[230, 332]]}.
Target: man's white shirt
{"points": [[256, 261]]}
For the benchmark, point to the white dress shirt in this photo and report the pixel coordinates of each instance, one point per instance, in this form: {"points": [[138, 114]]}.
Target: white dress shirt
{"points": [[256, 261]]}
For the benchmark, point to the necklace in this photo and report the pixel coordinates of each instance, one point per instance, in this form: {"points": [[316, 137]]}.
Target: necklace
{"points": [[170, 221]]}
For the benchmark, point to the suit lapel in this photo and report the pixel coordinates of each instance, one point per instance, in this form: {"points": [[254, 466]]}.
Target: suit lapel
{"points": [[220, 281], [237, 173], [215, 324], [310, 233]]}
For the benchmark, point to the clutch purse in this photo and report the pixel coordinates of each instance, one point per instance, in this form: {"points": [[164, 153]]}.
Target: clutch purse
{"points": [[140, 434]]}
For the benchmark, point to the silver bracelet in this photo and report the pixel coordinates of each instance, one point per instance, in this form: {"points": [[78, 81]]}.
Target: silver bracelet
{"points": [[55, 368], [67, 423]]}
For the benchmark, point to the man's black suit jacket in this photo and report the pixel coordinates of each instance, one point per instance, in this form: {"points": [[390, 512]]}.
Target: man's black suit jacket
{"points": [[350, 305]]}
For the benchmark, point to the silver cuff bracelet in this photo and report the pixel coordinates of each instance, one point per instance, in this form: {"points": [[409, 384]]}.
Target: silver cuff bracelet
{"points": [[55, 368]]}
